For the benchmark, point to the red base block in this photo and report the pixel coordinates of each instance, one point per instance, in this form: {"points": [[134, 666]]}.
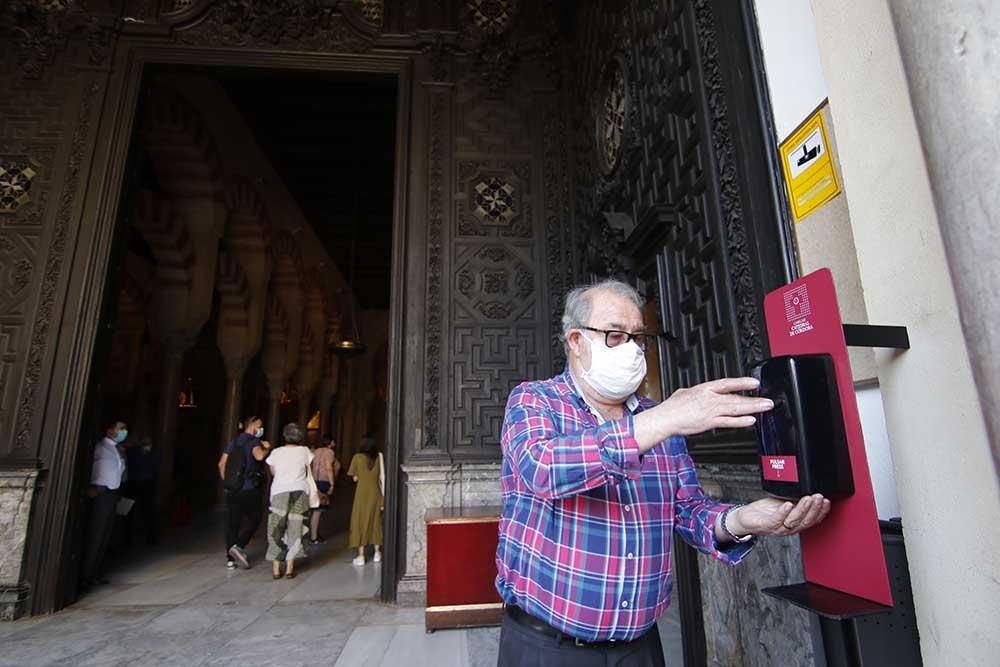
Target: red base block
{"points": [[461, 557]]}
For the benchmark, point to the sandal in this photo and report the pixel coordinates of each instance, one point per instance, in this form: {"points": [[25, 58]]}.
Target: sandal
{"points": [[276, 575], [290, 575]]}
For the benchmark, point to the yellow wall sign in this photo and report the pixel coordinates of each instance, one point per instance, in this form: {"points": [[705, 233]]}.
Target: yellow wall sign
{"points": [[808, 167]]}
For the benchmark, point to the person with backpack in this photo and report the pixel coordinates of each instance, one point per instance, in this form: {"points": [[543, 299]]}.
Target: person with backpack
{"points": [[242, 472]]}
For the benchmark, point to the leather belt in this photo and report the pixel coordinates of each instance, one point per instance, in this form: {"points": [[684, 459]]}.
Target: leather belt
{"points": [[526, 620]]}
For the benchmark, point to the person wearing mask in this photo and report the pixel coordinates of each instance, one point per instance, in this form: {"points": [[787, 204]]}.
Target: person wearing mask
{"points": [[597, 479], [324, 470], [290, 500], [106, 477], [244, 486], [143, 466], [366, 513]]}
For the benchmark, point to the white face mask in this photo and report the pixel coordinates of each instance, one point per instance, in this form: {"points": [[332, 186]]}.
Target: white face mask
{"points": [[259, 433], [615, 372]]}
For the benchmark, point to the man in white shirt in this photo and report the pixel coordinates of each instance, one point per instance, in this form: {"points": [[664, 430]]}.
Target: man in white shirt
{"points": [[105, 481]]}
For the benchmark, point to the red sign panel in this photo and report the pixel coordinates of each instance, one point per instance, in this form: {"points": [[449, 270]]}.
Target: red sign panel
{"points": [[845, 551], [779, 468]]}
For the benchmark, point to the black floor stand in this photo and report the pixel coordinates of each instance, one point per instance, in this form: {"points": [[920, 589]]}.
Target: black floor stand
{"points": [[838, 613]]}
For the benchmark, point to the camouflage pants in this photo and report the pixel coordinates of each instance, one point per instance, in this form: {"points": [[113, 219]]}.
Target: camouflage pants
{"points": [[287, 525]]}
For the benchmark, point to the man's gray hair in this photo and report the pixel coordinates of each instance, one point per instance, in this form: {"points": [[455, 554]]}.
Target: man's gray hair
{"points": [[293, 434], [578, 303]]}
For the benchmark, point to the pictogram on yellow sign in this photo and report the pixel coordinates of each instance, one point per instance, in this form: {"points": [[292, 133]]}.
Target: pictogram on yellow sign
{"points": [[808, 168]]}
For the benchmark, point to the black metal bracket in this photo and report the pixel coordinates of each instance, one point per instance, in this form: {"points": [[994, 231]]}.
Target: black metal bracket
{"points": [[837, 613], [873, 335]]}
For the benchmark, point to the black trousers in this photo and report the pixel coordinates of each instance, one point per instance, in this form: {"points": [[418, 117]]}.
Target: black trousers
{"points": [[144, 510], [521, 646], [244, 511], [99, 529]]}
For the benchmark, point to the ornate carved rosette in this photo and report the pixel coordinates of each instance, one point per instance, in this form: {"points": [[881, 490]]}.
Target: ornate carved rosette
{"points": [[612, 114], [493, 17]]}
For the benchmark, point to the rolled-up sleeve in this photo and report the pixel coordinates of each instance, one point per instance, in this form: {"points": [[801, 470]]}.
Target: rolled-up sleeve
{"points": [[695, 514], [555, 465]]}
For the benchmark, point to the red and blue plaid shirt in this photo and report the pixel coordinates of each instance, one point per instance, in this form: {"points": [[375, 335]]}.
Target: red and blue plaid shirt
{"points": [[586, 525]]}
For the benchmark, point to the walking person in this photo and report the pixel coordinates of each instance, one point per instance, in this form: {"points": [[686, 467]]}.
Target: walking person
{"points": [[366, 513], [242, 476], [143, 466], [106, 477], [291, 490], [324, 469]]}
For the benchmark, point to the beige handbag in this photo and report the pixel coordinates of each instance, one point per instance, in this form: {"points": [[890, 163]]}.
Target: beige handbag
{"points": [[313, 489]]}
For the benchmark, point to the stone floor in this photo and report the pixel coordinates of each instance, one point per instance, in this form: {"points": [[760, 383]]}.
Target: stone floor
{"points": [[179, 605]]}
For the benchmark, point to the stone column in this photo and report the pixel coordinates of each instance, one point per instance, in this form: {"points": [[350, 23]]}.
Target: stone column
{"points": [[274, 363], [232, 400], [184, 238], [166, 414], [307, 375]]}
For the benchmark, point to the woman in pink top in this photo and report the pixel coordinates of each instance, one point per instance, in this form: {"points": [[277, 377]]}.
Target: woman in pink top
{"points": [[325, 468]]}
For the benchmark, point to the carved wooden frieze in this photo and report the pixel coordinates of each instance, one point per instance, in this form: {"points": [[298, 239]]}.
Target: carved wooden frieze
{"points": [[295, 24], [655, 149]]}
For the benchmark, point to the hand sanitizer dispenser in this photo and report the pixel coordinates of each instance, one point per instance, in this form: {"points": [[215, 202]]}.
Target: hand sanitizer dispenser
{"points": [[802, 441]]}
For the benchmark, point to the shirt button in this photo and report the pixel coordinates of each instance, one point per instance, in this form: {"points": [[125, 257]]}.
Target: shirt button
{"points": [[630, 554], [624, 603], [628, 508]]}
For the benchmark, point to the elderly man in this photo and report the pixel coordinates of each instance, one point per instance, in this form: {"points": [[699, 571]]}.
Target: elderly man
{"points": [[596, 479]]}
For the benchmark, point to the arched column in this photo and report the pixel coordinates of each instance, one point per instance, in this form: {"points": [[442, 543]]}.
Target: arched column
{"points": [[274, 362], [184, 240]]}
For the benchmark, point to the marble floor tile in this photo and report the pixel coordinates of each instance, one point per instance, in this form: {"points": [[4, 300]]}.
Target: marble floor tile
{"points": [[337, 579], [483, 645], [444, 648], [366, 646], [183, 584], [387, 614], [65, 637]]}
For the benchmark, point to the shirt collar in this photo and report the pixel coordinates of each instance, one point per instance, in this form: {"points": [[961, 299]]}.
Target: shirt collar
{"points": [[571, 389]]}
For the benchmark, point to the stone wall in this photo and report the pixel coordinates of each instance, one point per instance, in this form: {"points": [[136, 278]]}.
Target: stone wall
{"points": [[16, 490], [427, 487], [745, 627]]}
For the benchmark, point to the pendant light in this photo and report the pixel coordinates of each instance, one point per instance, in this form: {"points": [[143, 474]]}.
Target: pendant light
{"points": [[351, 345]]}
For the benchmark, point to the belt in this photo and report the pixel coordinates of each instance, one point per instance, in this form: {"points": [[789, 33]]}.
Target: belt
{"points": [[526, 620]]}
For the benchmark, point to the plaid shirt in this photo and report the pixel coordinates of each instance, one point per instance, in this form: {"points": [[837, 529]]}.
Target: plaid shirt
{"points": [[586, 525]]}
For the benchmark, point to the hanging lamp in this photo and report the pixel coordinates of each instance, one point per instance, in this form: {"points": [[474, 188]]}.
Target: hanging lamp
{"points": [[351, 345]]}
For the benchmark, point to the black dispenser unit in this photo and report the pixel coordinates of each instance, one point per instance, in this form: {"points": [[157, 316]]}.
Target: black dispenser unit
{"points": [[802, 442]]}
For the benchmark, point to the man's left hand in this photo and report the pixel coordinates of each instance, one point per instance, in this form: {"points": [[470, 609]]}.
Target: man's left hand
{"points": [[773, 516]]}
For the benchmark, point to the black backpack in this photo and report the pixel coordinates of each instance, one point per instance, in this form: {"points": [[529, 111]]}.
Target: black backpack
{"points": [[236, 469]]}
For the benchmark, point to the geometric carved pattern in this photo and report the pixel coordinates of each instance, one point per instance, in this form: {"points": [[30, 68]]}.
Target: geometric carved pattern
{"points": [[665, 160], [373, 11], [492, 282], [494, 201], [493, 17], [493, 198], [16, 174], [489, 362]]}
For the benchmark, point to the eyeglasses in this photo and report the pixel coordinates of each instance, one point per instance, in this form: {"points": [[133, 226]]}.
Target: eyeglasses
{"points": [[614, 338]]}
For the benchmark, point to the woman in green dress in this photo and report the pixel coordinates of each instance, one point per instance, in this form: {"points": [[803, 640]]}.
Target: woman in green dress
{"points": [[366, 514]]}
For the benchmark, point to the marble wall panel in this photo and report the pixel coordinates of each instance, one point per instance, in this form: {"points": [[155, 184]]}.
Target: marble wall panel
{"points": [[746, 627], [16, 490], [427, 487]]}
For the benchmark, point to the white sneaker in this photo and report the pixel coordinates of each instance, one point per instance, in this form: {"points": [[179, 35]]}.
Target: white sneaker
{"points": [[359, 561], [378, 557]]}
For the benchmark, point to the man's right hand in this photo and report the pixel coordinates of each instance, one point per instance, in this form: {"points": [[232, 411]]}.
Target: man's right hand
{"points": [[715, 404]]}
